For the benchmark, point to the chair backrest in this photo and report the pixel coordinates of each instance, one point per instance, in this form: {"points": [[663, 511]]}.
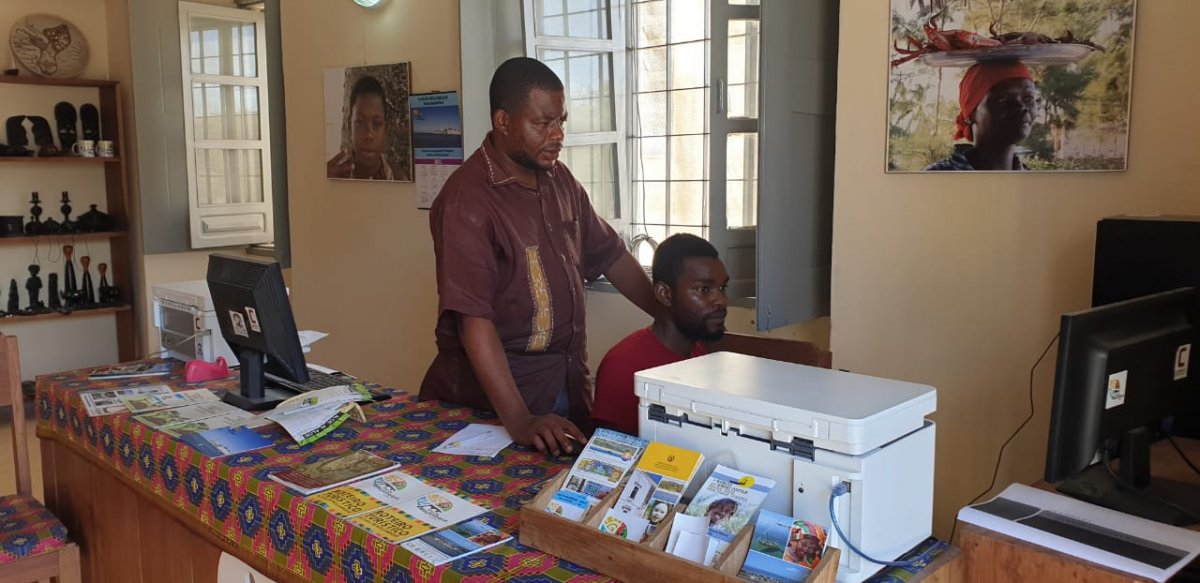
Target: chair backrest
{"points": [[794, 351], [10, 395]]}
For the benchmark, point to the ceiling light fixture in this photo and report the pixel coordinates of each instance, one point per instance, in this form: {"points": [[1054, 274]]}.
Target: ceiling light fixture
{"points": [[367, 3]]}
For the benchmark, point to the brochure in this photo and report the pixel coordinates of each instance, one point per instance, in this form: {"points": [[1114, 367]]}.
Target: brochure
{"points": [[396, 506], [136, 369], [456, 541], [238, 419], [476, 439], [147, 403], [658, 482], [333, 472], [728, 499], [783, 549], [422, 501], [108, 401], [309, 416], [179, 415], [225, 441], [603, 463]]}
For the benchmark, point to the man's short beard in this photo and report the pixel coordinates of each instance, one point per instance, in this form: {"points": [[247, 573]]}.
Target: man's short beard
{"points": [[524, 160]]}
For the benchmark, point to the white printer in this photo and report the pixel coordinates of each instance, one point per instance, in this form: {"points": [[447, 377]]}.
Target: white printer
{"points": [[808, 429], [187, 323]]}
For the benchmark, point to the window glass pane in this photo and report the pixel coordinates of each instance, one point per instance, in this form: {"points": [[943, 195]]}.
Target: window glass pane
{"points": [[572, 18], [225, 112], [687, 157], [588, 80], [651, 69], [650, 114], [688, 203], [651, 160], [743, 68], [741, 187], [686, 20], [595, 168], [688, 114], [651, 23], [653, 208], [687, 65], [223, 47], [228, 176]]}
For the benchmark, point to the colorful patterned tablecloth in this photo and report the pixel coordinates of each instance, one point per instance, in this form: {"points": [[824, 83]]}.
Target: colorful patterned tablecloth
{"points": [[232, 496]]}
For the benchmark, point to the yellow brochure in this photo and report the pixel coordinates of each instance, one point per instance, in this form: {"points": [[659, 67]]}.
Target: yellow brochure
{"points": [[391, 524], [669, 461], [346, 501]]}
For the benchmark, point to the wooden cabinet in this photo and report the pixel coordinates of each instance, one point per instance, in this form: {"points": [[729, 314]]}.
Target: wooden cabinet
{"points": [[114, 173]]}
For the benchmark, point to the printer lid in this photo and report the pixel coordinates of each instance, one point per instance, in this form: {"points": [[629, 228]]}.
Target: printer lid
{"points": [[839, 411]]}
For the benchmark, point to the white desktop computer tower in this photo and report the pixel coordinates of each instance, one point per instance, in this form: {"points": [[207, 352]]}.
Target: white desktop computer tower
{"points": [[808, 429], [187, 325]]}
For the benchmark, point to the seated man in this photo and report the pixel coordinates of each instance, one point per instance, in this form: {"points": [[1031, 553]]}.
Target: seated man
{"points": [[689, 286]]}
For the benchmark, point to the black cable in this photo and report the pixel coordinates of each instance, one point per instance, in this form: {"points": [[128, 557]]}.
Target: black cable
{"points": [[1000, 456], [1106, 461], [1171, 440]]}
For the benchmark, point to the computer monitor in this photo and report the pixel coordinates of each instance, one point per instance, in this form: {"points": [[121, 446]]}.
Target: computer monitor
{"points": [[1122, 370], [251, 305]]}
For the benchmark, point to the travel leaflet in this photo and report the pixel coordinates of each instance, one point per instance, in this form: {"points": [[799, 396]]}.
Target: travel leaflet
{"points": [[456, 541], [728, 500], [783, 549], [656, 485], [603, 463], [396, 506]]}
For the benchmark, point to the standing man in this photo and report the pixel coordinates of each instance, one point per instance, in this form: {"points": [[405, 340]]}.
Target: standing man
{"points": [[515, 237], [689, 290]]}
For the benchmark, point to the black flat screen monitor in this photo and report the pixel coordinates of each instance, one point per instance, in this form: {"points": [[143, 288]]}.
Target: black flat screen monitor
{"points": [[252, 308], [1123, 369]]}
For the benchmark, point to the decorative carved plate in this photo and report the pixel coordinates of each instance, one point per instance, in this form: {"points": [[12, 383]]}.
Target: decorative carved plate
{"points": [[49, 46], [1043, 54]]}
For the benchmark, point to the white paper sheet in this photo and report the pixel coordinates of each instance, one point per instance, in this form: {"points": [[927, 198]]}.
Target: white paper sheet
{"points": [[476, 439]]}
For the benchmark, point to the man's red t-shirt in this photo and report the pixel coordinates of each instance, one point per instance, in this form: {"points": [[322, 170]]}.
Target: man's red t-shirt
{"points": [[615, 403]]}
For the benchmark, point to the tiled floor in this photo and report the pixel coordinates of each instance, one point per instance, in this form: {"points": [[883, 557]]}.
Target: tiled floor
{"points": [[8, 474]]}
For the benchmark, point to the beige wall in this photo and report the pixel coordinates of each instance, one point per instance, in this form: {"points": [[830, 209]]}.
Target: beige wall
{"points": [[958, 281], [362, 266]]}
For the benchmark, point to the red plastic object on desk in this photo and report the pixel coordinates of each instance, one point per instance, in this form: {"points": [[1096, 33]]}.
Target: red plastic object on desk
{"points": [[201, 370]]}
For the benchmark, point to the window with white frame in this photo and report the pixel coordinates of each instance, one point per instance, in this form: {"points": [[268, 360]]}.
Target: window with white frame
{"points": [[724, 128], [226, 127], [651, 176]]}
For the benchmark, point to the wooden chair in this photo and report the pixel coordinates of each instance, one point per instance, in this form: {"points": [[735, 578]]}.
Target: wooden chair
{"points": [[33, 543], [794, 351]]}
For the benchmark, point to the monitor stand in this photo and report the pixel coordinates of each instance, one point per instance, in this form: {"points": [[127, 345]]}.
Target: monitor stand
{"points": [[255, 393], [1148, 498]]}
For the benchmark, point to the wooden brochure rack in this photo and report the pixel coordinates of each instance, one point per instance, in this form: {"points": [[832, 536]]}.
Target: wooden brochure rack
{"points": [[584, 544]]}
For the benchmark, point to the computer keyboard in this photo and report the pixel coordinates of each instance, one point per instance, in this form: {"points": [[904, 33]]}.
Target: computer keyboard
{"points": [[1106, 539], [316, 380]]}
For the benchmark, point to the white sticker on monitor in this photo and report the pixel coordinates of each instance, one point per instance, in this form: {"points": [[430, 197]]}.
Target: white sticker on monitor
{"points": [[239, 323], [252, 316], [1114, 393], [1182, 356]]}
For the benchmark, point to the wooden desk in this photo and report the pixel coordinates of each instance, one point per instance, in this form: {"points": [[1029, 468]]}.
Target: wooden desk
{"points": [[144, 507], [991, 557]]}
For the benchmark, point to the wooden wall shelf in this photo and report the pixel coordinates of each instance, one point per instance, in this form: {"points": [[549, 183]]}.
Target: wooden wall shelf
{"points": [[83, 313], [115, 183], [65, 238], [58, 160]]}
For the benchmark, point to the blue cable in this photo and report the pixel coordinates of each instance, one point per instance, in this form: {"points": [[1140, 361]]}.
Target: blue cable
{"points": [[838, 490]]}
